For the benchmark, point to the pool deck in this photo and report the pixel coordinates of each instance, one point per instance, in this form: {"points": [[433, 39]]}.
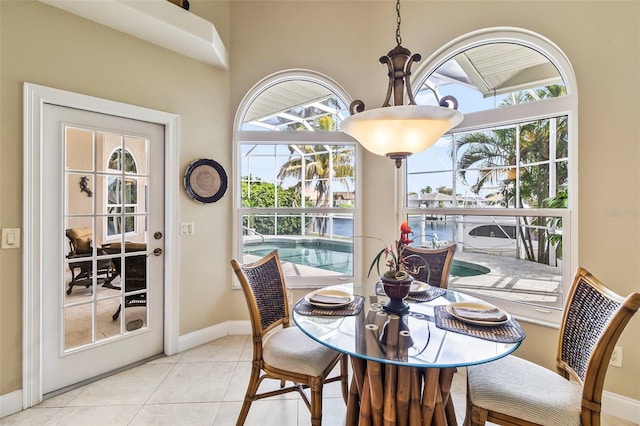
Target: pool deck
{"points": [[515, 279]]}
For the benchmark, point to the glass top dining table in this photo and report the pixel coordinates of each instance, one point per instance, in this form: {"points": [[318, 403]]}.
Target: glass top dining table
{"points": [[403, 365], [428, 346]]}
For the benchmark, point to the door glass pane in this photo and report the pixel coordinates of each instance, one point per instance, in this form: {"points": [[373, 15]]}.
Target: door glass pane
{"points": [[106, 326], [80, 149], [109, 152], [78, 326], [80, 189], [136, 150], [135, 316]]}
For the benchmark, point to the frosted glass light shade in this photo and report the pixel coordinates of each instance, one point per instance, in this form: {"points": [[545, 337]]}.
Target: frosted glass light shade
{"points": [[404, 129]]}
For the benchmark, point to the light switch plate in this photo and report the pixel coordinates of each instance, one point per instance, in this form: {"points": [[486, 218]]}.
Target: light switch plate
{"points": [[187, 228], [10, 238]]}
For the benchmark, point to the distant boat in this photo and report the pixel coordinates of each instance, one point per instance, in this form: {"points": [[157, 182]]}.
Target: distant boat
{"points": [[497, 237], [473, 234]]}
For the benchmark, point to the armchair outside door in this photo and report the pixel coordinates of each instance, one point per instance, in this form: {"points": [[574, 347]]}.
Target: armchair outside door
{"points": [[81, 262]]}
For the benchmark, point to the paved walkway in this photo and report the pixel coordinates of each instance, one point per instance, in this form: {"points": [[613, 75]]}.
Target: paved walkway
{"points": [[513, 279]]}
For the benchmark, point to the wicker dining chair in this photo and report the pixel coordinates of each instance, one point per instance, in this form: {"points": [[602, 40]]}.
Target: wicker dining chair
{"points": [[512, 391], [439, 261], [280, 351]]}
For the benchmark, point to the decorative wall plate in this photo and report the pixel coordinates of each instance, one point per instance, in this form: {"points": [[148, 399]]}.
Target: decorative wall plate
{"points": [[205, 181]]}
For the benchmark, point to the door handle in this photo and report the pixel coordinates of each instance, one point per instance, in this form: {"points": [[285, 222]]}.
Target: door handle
{"points": [[156, 252]]}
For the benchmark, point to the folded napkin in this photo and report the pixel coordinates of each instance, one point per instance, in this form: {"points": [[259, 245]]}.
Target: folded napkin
{"points": [[329, 300], [489, 314], [417, 286]]}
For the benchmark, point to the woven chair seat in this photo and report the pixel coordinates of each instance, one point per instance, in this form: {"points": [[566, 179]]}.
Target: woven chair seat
{"points": [[545, 397], [292, 350]]}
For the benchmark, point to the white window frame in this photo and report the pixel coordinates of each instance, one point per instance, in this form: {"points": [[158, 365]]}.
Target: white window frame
{"points": [[126, 179], [297, 138], [566, 105]]}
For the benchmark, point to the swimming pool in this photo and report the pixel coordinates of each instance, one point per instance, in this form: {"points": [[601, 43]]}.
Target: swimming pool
{"points": [[460, 268], [330, 255], [336, 255]]}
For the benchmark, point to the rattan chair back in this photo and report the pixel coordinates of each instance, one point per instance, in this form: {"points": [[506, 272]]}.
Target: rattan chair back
{"points": [[593, 320], [439, 261], [264, 289]]}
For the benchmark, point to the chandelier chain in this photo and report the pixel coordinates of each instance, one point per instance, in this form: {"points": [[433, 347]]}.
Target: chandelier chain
{"points": [[399, 20]]}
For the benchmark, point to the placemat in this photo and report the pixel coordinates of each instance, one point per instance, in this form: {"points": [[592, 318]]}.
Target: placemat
{"points": [[303, 307], [432, 293], [510, 332]]}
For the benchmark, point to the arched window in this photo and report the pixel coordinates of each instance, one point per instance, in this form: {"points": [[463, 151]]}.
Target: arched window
{"points": [[296, 186], [500, 185], [122, 160], [122, 194]]}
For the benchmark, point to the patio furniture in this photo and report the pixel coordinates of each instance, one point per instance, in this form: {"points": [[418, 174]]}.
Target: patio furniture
{"points": [[135, 273], [80, 259], [282, 352], [513, 391], [439, 261]]}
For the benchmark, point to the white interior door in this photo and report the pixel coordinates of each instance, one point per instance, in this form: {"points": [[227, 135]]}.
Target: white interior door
{"points": [[102, 233]]}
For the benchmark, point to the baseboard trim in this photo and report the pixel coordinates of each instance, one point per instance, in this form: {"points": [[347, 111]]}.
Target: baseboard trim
{"points": [[612, 404], [10, 403], [621, 406], [206, 335]]}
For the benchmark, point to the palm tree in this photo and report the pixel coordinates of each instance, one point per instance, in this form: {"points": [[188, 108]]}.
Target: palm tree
{"points": [[493, 155], [315, 165], [560, 201]]}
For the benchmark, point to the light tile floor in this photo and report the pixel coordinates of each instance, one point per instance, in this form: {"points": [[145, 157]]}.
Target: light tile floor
{"points": [[202, 386]]}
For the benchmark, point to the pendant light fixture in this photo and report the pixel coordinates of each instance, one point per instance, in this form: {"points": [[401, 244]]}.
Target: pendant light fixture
{"points": [[400, 130]]}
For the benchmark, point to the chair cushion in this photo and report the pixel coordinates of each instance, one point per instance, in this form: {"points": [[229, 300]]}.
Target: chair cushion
{"points": [[81, 239], [292, 350], [524, 390]]}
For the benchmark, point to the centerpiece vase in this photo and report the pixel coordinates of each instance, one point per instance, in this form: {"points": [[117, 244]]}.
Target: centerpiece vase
{"points": [[396, 291]]}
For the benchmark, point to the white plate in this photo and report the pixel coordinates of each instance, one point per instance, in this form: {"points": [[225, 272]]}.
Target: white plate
{"points": [[418, 287], [472, 305], [330, 293]]}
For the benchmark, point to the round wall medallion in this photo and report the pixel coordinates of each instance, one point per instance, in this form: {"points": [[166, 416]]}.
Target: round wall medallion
{"points": [[205, 181]]}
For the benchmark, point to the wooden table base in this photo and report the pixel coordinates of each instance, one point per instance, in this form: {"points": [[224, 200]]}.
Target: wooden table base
{"points": [[391, 395]]}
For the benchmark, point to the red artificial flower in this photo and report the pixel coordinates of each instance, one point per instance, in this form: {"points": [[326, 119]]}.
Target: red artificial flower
{"points": [[393, 256], [405, 228], [405, 231]]}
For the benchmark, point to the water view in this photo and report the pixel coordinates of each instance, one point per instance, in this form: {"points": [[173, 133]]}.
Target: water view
{"points": [[343, 227]]}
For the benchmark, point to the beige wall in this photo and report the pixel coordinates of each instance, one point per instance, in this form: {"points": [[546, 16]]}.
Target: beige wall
{"points": [[342, 40], [46, 46]]}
